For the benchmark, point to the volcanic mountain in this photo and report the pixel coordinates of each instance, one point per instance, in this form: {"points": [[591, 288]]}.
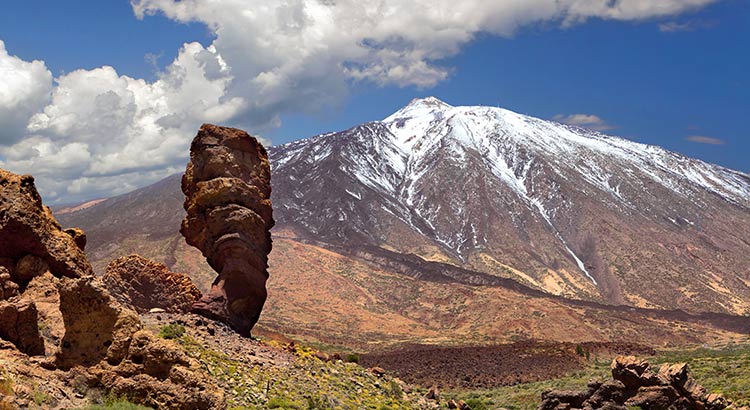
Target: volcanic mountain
{"points": [[562, 209], [475, 224]]}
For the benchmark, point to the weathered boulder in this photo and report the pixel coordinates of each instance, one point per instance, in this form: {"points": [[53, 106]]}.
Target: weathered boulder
{"points": [[27, 227], [229, 217], [145, 284], [635, 384], [97, 327], [158, 373]]}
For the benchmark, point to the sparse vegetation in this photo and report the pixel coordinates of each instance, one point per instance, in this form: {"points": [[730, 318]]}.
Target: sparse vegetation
{"points": [[352, 358], [172, 331], [306, 383], [284, 403], [722, 370], [116, 405], [39, 397], [583, 351], [6, 384]]}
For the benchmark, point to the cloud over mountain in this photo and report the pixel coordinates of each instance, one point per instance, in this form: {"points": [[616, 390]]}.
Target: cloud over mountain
{"points": [[269, 58]]}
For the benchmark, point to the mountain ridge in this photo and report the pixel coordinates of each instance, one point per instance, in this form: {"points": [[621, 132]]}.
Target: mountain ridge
{"points": [[540, 172]]}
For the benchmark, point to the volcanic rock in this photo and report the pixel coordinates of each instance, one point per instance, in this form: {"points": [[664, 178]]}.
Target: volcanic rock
{"points": [[18, 325], [28, 228], [97, 327], [8, 288], [160, 374], [229, 217], [145, 284], [51, 306], [635, 384]]}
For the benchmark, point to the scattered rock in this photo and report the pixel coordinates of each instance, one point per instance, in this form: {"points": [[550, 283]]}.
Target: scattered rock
{"points": [[229, 217], [635, 384], [463, 406], [145, 284], [433, 394], [377, 371]]}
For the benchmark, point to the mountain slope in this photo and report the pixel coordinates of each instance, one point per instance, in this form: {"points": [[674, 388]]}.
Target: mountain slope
{"points": [[473, 224], [370, 298], [559, 208]]}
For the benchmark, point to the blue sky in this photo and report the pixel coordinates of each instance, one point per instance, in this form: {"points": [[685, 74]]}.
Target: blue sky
{"points": [[678, 79]]}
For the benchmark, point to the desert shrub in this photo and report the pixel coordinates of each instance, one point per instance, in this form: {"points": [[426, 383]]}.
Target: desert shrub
{"points": [[395, 390], [352, 358], [477, 404], [173, 331], [283, 403], [583, 352], [39, 397]]}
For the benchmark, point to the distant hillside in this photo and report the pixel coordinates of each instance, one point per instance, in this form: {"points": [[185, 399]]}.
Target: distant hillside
{"points": [[373, 298]]}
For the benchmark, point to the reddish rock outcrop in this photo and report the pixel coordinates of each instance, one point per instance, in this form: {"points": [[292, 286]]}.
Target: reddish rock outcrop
{"points": [[229, 216], [145, 284], [51, 306], [18, 325], [32, 244], [636, 384], [28, 228], [158, 373]]}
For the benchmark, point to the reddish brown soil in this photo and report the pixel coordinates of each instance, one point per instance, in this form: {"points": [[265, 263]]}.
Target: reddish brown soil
{"points": [[492, 366]]}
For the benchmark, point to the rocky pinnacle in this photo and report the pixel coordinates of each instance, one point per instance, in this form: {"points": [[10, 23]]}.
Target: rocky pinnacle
{"points": [[229, 217]]}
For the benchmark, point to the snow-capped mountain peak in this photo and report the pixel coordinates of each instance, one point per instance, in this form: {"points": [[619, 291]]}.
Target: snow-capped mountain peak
{"points": [[484, 180], [419, 107]]}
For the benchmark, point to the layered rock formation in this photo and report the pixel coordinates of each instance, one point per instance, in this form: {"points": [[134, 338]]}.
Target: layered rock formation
{"points": [[145, 284], [52, 307], [635, 384], [229, 217]]}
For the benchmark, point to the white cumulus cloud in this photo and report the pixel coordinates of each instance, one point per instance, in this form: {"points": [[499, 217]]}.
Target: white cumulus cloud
{"points": [[24, 89], [267, 58], [102, 126]]}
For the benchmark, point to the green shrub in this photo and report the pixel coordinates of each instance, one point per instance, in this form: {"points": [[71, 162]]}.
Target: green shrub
{"points": [[173, 331], [476, 404], [395, 390], [352, 358], [39, 397], [282, 403]]}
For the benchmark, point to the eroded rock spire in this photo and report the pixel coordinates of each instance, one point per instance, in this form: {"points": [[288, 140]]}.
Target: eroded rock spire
{"points": [[227, 188]]}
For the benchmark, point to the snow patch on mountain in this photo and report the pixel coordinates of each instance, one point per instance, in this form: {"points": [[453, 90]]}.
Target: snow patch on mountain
{"points": [[395, 157]]}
